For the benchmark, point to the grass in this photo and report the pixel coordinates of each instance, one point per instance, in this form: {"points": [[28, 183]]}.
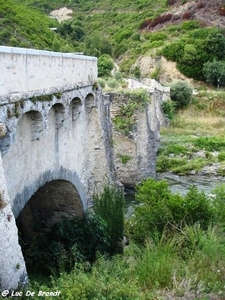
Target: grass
{"points": [[153, 271], [194, 136]]}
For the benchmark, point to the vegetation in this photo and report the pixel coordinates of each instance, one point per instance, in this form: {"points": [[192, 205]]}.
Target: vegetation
{"points": [[128, 33], [133, 101], [181, 93], [109, 205], [176, 251], [23, 27]]}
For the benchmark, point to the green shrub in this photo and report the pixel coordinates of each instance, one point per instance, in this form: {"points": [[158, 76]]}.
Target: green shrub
{"points": [[168, 108], [181, 93], [109, 206], [173, 51], [190, 25], [112, 83], [101, 81], [68, 242], [219, 204], [105, 65], [161, 210], [221, 156]]}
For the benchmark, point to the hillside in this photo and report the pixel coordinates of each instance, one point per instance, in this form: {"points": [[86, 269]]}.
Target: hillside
{"points": [[129, 31], [25, 27]]}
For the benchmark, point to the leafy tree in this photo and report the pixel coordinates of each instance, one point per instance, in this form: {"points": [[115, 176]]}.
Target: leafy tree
{"points": [[215, 45], [214, 72], [105, 65], [181, 93], [97, 45]]}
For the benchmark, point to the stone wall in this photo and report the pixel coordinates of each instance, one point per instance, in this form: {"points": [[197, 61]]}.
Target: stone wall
{"points": [[135, 152]]}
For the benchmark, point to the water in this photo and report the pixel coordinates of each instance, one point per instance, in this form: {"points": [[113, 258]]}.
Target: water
{"points": [[181, 184], [177, 184]]}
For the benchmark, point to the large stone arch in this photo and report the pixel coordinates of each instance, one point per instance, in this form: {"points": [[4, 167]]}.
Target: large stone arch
{"points": [[22, 198]]}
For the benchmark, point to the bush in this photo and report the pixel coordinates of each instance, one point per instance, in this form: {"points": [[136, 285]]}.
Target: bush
{"points": [[68, 242], [214, 72], [105, 65], [181, 93], [161, 210], [168, 108]]}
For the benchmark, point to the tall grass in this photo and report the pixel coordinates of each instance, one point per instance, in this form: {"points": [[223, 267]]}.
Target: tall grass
{"points": [[153, 271]]}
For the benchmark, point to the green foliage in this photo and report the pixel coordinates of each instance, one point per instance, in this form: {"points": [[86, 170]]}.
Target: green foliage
{"points": [[168, 108], [109, 206], [156, 36], [124, 158], [174, 51], [181, 93], [221, 156], [105, 65], [219, 205], [161, 210], [136, 72], [210, 143], [190, 25], [112, 83], [68, 242], [215, 45], [21, 26], [214, 72], [97, 45], [133, 101], [101, 81]]}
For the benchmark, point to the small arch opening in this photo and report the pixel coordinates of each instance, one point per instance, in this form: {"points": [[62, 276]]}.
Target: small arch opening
{"points": [[31, 125], [76, 108], [89, 103], [60, 112]]}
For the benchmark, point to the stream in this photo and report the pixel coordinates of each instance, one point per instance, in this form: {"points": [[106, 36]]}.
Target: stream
{"points": [[178, 184]]}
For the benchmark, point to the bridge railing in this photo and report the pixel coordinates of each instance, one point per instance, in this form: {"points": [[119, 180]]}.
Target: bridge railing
{"points": [[25, 70]]}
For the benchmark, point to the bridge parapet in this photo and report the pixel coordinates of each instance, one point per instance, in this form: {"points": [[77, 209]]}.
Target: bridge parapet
{"points": [[26, 70]]}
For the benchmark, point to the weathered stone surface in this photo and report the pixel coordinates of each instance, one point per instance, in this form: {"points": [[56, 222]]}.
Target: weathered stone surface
{"points": [[135, 153]]}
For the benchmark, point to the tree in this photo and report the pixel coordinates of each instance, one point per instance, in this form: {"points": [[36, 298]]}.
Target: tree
{"points": [[105, 65], [97, 45], [181, 93], [214, 72], [215, 45]]}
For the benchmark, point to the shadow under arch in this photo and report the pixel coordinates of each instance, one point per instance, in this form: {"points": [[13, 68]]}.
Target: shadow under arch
{"points": [[48, 205], [55, 201]]}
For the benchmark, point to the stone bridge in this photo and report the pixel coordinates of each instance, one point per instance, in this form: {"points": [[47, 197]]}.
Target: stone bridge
{"points": [[55, 141]]}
